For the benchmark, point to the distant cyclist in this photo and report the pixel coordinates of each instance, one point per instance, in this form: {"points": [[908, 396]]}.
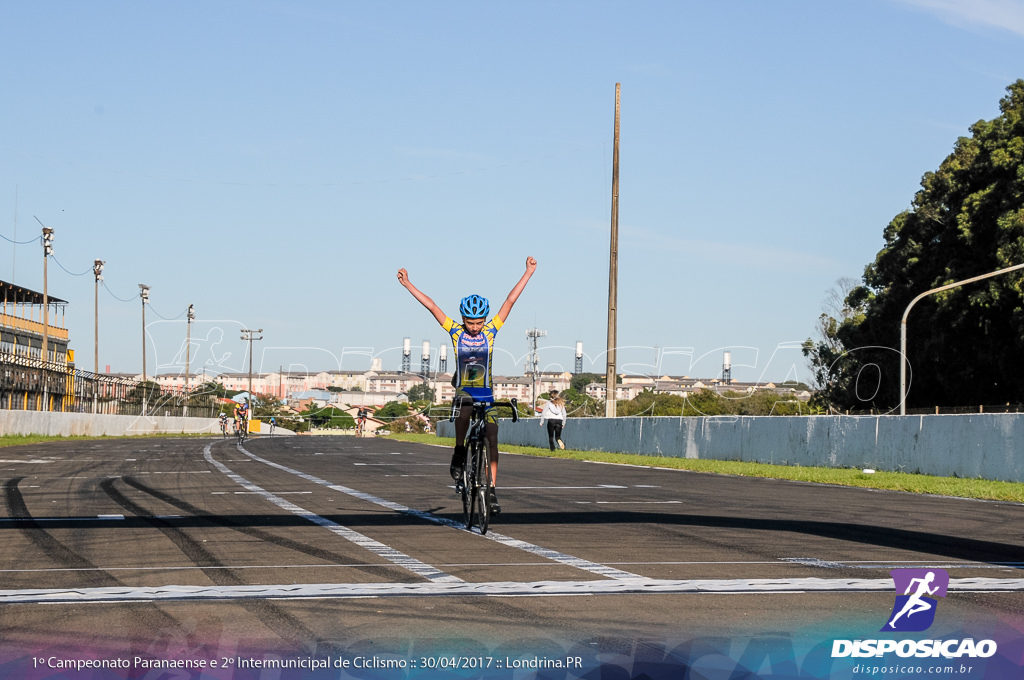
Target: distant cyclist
{"points": [[242, 416], [474, 349], [224, 424]]}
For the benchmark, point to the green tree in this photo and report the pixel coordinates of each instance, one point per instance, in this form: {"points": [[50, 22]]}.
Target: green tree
{"points": [[421, 392], [210, 387], [267, 405], [963, 344], [392, 410], [328, 417], [580, 381]]}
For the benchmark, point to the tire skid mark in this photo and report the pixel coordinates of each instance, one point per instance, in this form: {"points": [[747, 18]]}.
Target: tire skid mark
{"points": [[54, 549], [149, 616], [284, 625], [329, 557]]}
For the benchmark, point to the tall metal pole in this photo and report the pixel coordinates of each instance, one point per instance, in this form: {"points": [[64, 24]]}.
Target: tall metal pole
{"points": [[144, 294], [97, 270], [247, 335], [903, 325], [47, 250], [613, 272], [188, 351]]}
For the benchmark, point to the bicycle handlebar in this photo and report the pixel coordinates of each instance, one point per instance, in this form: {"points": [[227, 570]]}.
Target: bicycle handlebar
{"points": [[511, 403]]}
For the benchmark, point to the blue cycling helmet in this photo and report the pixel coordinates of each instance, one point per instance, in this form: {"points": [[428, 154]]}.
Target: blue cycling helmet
{"points": [[474, 307]]}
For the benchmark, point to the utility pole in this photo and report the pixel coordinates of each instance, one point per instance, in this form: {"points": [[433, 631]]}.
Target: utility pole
{"points": [[47, 251], [188, 351], [613, 273], [532, 366], [97, 270], [144, 294], [248, 335]]}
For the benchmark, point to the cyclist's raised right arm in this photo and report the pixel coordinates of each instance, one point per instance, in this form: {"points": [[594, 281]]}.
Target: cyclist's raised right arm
{"points": [[403, 278]]}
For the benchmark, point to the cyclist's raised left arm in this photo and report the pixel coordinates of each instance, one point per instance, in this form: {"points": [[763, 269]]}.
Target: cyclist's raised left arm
{"points": [[506, 307]]}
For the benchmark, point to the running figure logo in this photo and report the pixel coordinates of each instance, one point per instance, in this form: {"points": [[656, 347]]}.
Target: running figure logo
{"points": [[914, 610]]}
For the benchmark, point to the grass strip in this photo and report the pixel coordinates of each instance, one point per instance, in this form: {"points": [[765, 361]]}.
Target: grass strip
{"points": [[21, 439], [980, 489]]}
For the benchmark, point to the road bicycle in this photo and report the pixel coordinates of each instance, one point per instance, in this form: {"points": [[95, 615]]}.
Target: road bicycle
{"points": [[224, 428], [242, 431], [475, 480]]}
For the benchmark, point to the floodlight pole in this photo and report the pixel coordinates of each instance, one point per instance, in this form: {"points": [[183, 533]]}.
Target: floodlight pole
{"points": [[613, 272], [188, 351], [47, 251], [97, 270], [144, 294], [248, 335], [903, 325]]}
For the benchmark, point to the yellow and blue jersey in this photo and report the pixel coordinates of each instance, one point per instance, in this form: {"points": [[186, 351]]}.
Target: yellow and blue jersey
{"points": [[473, 358]]}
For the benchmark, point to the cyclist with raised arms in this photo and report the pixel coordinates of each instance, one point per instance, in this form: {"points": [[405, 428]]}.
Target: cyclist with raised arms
{"points": [[474, 349]]}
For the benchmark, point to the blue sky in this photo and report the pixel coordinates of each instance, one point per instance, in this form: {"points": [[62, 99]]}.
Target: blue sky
{"points": [[275, 163]]}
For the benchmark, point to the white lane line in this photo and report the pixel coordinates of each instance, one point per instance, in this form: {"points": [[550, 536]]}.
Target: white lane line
{"points": [[559, 488], [401, 559], [31, 461], [626, 502], [553, 555], [397, 464], [897, 564], [636, 586]]}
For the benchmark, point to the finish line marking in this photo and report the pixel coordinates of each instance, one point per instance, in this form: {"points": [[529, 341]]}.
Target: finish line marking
{"points": [[638, 586]]}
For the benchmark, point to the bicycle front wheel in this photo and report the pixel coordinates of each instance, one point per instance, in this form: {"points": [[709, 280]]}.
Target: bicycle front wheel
{"points": [[480, 488], [466, 483]]}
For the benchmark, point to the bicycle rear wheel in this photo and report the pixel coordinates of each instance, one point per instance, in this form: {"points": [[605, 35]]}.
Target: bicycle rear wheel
{"points": [[476, 508]]}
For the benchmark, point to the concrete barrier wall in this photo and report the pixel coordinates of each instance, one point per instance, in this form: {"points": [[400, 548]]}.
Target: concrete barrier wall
{"points": [[97, 425], [985, 446]]}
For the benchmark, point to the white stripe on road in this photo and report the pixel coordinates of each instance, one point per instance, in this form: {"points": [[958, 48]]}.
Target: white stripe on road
{"points": [[627, 502], [377, 548], [637, 586], [554, 555]]}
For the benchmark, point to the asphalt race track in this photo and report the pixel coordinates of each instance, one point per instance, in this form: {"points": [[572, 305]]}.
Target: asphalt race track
{"points": [[343, 545]]}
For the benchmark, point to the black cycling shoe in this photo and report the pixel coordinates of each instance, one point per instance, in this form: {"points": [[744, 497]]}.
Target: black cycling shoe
{"points": [[492, 500], [458, 462]]}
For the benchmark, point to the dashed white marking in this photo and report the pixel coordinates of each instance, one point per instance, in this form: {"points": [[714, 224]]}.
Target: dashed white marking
{"points": [[387, 552], [30, 460], [396, 464], [627, 502], [553, 555]]}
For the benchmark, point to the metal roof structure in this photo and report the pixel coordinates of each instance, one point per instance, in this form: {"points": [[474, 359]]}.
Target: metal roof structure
{"points": [[13, 293]]}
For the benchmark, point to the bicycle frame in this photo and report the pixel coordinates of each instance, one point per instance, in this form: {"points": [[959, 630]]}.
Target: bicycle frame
{"points": [[476, 472]]}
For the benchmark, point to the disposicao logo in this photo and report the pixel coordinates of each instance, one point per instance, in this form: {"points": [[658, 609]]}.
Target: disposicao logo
{"points": [[915, 609]]}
